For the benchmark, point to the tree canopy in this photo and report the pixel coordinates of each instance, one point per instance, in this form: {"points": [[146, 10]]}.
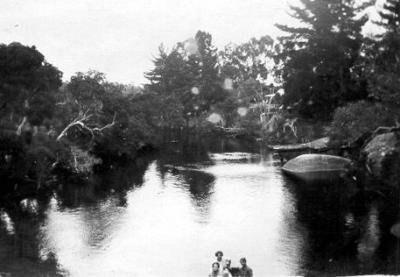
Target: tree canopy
{"points": [[27, 84], [317, 58], [382, 57]]}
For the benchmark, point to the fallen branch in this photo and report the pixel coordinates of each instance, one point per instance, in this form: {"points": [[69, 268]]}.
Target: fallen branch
{"points": [[80, 121], [109, 125], [383, 130]]}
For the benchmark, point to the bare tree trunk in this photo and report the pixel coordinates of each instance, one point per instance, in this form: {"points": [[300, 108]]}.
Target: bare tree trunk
{"points": [[341, 82], [80, 121], [21, 125]]}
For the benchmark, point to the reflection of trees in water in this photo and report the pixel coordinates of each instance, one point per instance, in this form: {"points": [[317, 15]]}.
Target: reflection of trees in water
{"points": [[197, 184], [100, 221], [113, 182], [190, 150], [228, 144], [184, 157], [347, 233], [21, 253], [196, 149], [101, 199], [321, 212], [21, 236], [389, 247], [183, 160], [181, 153], [200, 185]]}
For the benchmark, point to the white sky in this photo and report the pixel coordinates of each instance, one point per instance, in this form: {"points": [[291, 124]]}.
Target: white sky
{"points": [[120, 37]]}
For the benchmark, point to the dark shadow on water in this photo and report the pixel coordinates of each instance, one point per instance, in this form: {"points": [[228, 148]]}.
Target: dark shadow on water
{"points": [[115, 182], [199, 185], [21, 253], [184, 160], [21, 221], [347, 229]]}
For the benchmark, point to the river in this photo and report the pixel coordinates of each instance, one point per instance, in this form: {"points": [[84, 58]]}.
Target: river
{"points": [[167, 214]]}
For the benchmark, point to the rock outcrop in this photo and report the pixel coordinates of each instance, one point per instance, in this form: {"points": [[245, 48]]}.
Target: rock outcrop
{"points": [[382, 155]]}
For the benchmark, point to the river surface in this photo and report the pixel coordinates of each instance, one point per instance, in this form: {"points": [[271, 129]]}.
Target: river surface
{"points": [[167, 215]]}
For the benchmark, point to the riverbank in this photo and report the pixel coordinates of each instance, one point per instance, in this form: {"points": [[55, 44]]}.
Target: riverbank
{"points": [[195, 190]]}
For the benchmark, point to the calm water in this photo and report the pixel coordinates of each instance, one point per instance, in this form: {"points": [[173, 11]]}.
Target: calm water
{"points": [[166, 216]]}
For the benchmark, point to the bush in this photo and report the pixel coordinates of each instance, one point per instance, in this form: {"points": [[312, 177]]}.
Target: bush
{"points": [[355, 119], [13, 165]]}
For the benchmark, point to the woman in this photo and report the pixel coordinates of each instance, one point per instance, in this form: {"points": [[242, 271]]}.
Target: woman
{"points": [[226, 271], [215, 270]]}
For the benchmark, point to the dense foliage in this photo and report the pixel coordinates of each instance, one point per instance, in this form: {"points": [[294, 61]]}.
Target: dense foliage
{"points": [[199, 80], [356, 119], [188, 76], [317, 59], [48, 128], [27, 84], [379, 66], [382, 57], [323, 69]]}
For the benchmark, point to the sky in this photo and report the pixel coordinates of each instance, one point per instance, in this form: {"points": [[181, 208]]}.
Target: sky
{"points": [[120, 38]]}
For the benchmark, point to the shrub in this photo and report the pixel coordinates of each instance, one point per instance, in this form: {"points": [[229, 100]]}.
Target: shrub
{"points": [[13, 165], [355, 119]]}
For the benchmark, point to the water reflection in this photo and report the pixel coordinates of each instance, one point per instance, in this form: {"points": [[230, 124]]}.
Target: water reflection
{"points": [[190, 210], [115, 183], [21, 234], [189, 201], [200, 185], [369, 241], [347, 231]]}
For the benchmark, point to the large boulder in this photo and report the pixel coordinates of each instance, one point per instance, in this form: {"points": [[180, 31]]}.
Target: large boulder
{"points": [[313, 168], [382, 155]]}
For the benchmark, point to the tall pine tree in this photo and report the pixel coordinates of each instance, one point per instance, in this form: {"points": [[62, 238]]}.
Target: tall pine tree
{"points": [[317, 58], [390, 16], [383, 57], [189, 74], [210, 84]]}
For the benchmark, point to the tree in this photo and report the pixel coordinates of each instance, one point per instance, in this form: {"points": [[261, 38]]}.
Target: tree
{"points": [[247, 69], [174, 77], [188, 73], [209, 83], [317, 59], [87, 89], [27, 85], [382, 58], [104, 121], [390, 16], [87, 107], [248, 66], [250, 60]]}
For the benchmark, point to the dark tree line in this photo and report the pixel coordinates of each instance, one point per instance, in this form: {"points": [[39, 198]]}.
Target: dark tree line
{"points": [[318, 59], [187, 76], [326, 68], [378, 68], [194, 80], [49, 128]]}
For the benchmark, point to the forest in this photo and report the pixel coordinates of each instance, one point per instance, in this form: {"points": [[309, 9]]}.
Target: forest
{"points": [[326, 74]]}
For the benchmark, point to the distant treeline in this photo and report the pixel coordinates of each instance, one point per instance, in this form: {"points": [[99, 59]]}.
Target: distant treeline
{"points": [[325, 69]]}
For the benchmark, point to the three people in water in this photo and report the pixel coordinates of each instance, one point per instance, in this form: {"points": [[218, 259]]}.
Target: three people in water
{"points": [[222, 267]]}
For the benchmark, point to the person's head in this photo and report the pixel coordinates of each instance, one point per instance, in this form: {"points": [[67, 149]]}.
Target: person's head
{"points": [[215, 267], [243, 262], [219, 255], [227, 263]]}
